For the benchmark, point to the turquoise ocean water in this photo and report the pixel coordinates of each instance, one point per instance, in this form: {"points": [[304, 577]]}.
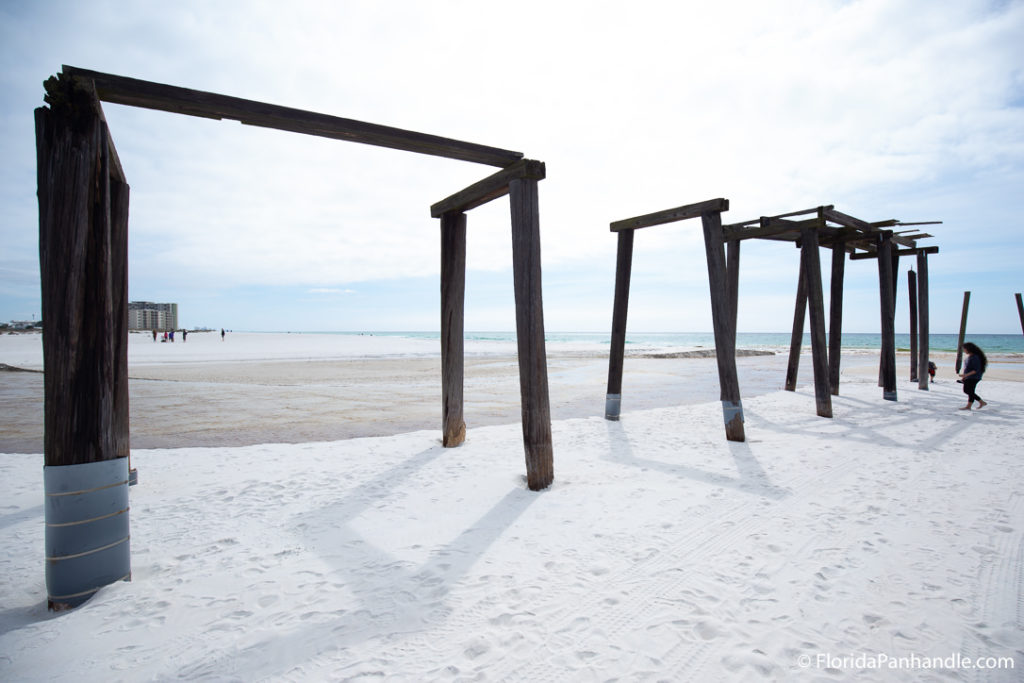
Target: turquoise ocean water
{"points": [[1001, 344]]}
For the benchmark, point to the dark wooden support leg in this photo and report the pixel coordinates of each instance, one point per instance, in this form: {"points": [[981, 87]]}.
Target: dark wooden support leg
{"points": [[533, 369], [835, 325], [912, 299], [119, 193], [81, 257], [453, 298], [1020, 310], [963, 332], [797, 340], [887, 365], [732, 267], [616, 354], [922, 305], [725, 336], [815, 298]]}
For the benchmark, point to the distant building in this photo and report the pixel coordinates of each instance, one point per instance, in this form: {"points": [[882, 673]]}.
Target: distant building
{"points": [[146, 315]]}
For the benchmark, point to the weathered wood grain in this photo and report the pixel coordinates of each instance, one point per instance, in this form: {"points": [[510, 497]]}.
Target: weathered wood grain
{"points": [[816, 309], [490, 188], [679, 213], [453, 298], [617, 350], [149, 95], [533, 371]]}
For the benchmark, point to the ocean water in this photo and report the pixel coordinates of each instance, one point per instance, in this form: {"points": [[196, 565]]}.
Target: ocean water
{"points": [[1001, 344]]}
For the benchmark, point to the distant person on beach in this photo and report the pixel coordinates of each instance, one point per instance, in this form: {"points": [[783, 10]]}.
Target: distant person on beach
{"points": [[154, 335], [931, 370], [974, 368], [184, 336], [222, 334]]}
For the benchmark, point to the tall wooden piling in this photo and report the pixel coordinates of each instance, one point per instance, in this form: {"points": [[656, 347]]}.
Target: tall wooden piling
{"points": [[83, 251], [835, 324], [816, 308], [922, 305], [797, 338], [732, 268], [533, 369], [912, 301], [725, 336], [887, 365], [963, 332], [453, 298], [616, 354], [1020, 310]]}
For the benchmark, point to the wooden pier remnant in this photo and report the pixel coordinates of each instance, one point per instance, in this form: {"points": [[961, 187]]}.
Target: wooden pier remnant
{"points": [[963, 332], [912, 301], [83, 253], [1020, 310], [519, 182], [923, 374], [723, 283]]}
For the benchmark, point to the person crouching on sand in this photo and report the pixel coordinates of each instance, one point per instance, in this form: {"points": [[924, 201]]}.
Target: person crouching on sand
{"points": [[974, 368]]}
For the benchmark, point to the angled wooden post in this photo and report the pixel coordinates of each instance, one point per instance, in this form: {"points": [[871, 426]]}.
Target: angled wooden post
{"points": [[725, 336], [797, 339], [533, 369], [732, 268], [811, 261], [887, 364], [922, 306], [835, 325], [453, 302], [83, 266], [616, 354], [912, 300], [1020, 310], [963, 332]]}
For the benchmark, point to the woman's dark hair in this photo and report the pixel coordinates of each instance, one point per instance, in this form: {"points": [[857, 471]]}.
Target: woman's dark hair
{"points": [[972, 348]]}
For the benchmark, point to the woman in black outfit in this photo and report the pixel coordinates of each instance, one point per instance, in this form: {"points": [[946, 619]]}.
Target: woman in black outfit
{"points": [[974, 368]]}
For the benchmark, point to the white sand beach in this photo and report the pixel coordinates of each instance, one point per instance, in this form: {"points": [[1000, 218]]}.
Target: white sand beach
{"points": [[886, 543]]}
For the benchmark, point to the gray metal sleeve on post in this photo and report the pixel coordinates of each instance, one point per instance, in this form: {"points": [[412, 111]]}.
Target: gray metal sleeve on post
{"points": [[612, 406], [87, 533], [730, 409]]}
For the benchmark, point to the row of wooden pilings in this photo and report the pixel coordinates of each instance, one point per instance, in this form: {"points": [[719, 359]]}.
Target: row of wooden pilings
{"points": [[722, 250]]}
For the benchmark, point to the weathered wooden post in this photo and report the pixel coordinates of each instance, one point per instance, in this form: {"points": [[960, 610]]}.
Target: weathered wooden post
{"points": [[1020, 310], [617, 352], [922, 305], [963, 332], [732, 269], [797, 338], [887, 365], [453, 303], [83, 203], [912, 300], [533, 367], [725, 336], [815, 299], [835, 324]]}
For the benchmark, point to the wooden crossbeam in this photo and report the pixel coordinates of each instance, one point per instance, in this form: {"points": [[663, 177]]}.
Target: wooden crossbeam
{"points": [[900, 252], [490, 188], [679, 213], [149, 95]]}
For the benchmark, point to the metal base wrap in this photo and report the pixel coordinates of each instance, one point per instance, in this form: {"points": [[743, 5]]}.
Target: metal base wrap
{"points": [[612, 406], [87, 536]]}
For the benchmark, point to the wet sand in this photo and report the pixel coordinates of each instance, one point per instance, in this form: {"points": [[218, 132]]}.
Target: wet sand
{"points": [[298, 401]]}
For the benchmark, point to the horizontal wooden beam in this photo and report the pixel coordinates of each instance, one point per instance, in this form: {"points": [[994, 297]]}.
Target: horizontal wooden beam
{"points": [[146, 94], [679, 213], [488, 189], [759, 221], [900, 252], [847, 221]]}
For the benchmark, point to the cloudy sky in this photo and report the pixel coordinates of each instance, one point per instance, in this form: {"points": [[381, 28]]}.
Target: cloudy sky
{"points": [[907, 109]]}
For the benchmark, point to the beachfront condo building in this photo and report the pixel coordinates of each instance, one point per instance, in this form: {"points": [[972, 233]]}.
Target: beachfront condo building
{"points": [[146, 315]]}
